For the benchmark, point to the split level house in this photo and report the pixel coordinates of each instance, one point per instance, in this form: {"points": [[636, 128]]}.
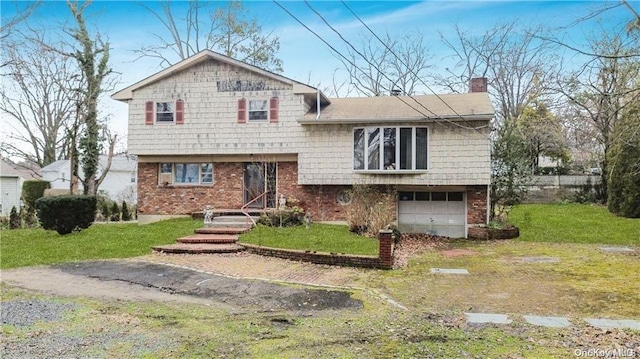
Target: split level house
{"points": [[211, 130]]}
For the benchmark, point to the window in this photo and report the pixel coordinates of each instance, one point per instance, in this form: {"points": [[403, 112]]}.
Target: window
{"points": [[186, 173], [206, 173], [258, 110], [164, 111], [390, 148]]}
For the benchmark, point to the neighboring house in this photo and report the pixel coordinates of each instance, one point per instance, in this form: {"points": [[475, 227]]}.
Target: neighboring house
{"points": [[119, 184], [211, 130], [10, 188]]}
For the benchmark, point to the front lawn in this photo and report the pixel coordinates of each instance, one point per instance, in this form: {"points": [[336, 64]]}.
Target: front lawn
{"points": [[574, 223], [319, 237], [29, 247]]}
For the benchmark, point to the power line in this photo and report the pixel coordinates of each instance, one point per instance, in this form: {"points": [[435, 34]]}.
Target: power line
{"points": [[363, 57], [402, 62], [341, 55]]}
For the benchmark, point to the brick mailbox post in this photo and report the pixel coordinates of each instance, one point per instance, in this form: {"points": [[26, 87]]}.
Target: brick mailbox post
{"points": [[385, 239]]}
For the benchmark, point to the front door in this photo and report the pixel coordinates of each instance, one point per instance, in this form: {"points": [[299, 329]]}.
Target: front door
{"points": [[260, 184]]}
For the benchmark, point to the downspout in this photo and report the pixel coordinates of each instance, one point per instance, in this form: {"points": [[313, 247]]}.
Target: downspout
{"points": [[318, 102]]}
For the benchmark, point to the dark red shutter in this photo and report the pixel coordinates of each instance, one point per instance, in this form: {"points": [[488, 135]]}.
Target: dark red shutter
{"points": [[242, 110], [273, 110], [148, 119], [179, 112]]}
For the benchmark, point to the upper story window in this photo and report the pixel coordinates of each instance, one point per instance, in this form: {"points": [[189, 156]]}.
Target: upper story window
{"points": [[164, 112], [390, 148], [186, 173], [258, 110]]}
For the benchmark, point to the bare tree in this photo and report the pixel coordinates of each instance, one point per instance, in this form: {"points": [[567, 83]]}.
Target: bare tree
{"points": [[39, 94], [224, 29], [399, 64], [7, 25], [602, 89], [516, 63]]}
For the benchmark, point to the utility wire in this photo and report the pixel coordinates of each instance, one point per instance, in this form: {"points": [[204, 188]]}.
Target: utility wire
{"points": [[341, 55], [364, 57], [404, 63]]}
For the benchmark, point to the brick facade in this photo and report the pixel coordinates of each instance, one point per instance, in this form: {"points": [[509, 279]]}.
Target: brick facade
{"points": [[227, 193], [476, 205]]}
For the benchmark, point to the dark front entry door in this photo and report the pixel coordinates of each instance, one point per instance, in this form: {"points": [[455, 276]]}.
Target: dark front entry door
{"points": [[260, 184]]}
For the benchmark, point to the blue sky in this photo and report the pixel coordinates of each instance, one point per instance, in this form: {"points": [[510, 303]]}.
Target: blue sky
{"points": [[128, 26]]}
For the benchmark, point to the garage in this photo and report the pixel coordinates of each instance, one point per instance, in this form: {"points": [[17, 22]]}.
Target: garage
{"points": [[438, 213]]}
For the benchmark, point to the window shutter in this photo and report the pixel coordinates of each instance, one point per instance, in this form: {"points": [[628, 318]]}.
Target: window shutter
{"points": [[179, 112], [273, 110], [148, 120], [242, 110]]}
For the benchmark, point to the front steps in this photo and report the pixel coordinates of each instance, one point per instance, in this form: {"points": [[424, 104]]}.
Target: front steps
{"points": [[218, 237]]}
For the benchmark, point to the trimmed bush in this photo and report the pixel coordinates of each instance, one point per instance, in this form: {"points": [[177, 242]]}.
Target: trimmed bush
{"points": [[283, 218], [14, 218], [115, 212], [66, 214], [32, 191], [126, 215]]}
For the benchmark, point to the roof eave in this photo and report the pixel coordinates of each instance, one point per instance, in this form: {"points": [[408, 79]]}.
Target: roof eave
{"points": [[339, 121]]}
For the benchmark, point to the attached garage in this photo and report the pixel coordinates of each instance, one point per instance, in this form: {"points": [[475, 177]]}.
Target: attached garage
{"points": [[438, 213]]}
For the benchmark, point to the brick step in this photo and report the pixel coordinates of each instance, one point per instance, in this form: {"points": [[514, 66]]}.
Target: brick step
{"points": [[209, 238], [199, 248], [222, 230]]}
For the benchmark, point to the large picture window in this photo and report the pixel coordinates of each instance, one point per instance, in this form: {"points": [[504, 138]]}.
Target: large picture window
{"points": [[390, 148], [186, 173]]}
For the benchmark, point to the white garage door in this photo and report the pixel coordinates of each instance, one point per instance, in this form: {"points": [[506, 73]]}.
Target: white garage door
{"points": [[439, 213]]}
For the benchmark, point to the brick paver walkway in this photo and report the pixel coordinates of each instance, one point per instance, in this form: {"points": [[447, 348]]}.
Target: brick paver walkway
{"points": [[246, 265]]}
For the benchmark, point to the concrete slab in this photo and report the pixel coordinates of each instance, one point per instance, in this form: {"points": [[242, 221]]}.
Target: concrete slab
{"points": [[614, 323], [488, 318], [553, 322], [617, 249], [449, 271]]}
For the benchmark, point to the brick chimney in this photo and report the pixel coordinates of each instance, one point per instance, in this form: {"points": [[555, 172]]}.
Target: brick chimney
{"points": [[478, 84]]}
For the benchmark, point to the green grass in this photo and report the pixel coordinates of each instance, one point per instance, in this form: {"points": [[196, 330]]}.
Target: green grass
{"points": [[574, 223], [319, 237], [29, 247]]}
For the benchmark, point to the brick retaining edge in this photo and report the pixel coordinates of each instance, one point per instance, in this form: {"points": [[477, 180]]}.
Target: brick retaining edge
{"points": [[383, 261]]}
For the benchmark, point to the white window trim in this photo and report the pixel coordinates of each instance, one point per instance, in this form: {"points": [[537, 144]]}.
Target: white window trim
{"points": [[171, 174], [413, 169], [155, 113], [268, 111]]}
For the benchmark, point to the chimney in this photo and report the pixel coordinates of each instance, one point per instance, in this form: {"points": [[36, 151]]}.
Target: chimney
{"points": [[478, 84]]}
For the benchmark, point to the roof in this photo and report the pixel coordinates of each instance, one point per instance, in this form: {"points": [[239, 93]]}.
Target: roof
{"points": [[450, 107], [205, 55], [118, 164], [55, 166], [7, 171]]}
